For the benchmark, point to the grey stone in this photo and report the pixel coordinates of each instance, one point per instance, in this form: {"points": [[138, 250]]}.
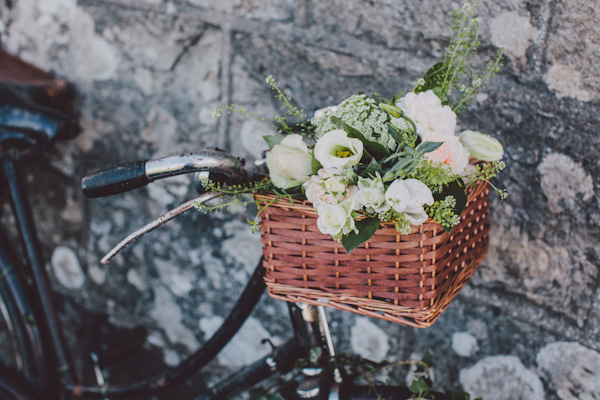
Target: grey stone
{"points": [[246, 346], [478, 328], [565, 183], [571, 369], [514, 32], [179, 281], [368, 340], [168, 314], [464, 344], [67, 269], [97, 274], [501, 378], [134, 278], [572, 51], [242, 247]]}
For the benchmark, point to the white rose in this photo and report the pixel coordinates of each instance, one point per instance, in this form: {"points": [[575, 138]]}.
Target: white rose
{"points": [[451, 153], [352, 197], [313, 189], [336, 184], [409, 196], [482, 146], [371, 195], [428, 114], [328, 186], [336, 150], [335, 219], [289, 162]]}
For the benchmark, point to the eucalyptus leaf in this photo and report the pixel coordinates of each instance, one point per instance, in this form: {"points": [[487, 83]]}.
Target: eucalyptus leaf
{"points": [[366, 229], [273, 140], [373, 148], [427, 147]]}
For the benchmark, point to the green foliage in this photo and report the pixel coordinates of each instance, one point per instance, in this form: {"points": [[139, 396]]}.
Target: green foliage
{"points": [[443, 211], [372, 148], [363, 114], [485, 172], [293, 119], [273, 140], [434, 175], [355, 368], [454, 72], [399, 220], [366, 228]]}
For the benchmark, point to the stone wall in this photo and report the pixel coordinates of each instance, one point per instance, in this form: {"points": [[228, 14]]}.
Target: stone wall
{"points": [[150, 73]]}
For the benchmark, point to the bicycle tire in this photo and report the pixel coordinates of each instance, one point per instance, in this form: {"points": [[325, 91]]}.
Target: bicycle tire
{"points": [[26, 340]]}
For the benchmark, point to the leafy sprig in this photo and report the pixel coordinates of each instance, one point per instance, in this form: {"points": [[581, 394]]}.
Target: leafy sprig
{"points": [[455, 72]]}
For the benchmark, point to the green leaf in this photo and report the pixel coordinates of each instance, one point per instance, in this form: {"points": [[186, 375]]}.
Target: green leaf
{"points": [[426, 359], [366, 228], [418, 386], [273, 140], [395, 133], [456, 189], [372, 169], [314, 164], [314, 354], [433, 80], [373, 148], [428, 147]]}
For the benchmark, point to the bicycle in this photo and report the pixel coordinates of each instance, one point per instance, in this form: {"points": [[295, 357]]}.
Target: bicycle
{"points": [[34, 115]]}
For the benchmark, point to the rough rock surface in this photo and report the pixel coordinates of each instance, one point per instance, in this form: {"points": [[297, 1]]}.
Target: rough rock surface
{"points": [[571, 369], [149, 75], [501, 378]]}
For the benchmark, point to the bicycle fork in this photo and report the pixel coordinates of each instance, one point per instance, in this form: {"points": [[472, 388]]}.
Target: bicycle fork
{"points": [[311, 331]]}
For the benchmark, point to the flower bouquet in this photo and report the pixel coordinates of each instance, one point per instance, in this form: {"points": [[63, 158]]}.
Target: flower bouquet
{"points": [[377, 206]]}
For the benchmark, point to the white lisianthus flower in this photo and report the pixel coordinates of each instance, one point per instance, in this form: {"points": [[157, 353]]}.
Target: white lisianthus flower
{"points": [[371, 194], [336, 219], [428, 114], [409, 196], [482, 146], [289, 162], [336, 150], [451, 153]]}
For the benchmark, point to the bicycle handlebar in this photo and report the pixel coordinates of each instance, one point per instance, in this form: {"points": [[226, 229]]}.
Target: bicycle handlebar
{"points": [[130, 176]]}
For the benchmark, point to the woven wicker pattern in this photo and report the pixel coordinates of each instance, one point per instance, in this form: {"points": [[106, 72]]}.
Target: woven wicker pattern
{"points": [[409, 279]]}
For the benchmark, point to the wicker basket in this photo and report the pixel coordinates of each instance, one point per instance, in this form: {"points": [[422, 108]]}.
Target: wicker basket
{"points": [[409, 279]]}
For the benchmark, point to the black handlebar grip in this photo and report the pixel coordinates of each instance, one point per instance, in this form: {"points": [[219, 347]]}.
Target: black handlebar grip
{"points": [[115, 180]]}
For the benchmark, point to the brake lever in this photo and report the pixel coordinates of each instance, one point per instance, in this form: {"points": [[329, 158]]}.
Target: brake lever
{"points": [[149, 227]]}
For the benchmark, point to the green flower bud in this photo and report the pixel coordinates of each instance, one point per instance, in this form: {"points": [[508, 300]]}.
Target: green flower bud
{"points": [[391, 109], [482, 146]]}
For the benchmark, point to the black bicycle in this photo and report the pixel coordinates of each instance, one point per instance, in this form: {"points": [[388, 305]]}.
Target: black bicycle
{"points": [[35, 111]]}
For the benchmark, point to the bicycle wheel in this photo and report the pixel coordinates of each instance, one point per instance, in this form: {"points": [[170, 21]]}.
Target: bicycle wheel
{"points": [[21, 347]]}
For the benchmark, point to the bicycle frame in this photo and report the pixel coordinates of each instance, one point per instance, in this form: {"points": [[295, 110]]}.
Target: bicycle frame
{"points": [[61, 382]]}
